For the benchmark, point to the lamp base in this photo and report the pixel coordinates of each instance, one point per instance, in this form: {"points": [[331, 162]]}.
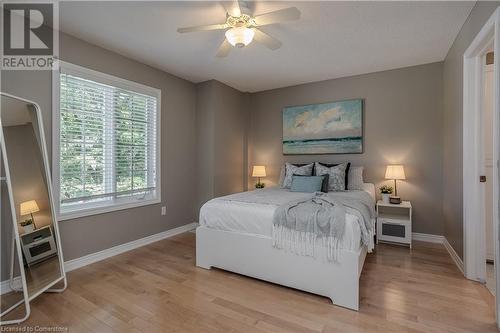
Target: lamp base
{"points": [[395, 200]]}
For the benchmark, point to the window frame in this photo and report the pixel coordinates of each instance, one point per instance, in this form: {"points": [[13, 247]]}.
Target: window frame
{"points": [[86, 73]]}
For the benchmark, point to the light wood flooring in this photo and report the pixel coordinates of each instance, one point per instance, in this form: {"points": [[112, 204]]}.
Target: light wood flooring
{"points": [[157, 288]]}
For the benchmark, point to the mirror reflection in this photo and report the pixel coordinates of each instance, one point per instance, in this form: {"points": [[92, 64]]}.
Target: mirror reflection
{"points": [[33, 211]]}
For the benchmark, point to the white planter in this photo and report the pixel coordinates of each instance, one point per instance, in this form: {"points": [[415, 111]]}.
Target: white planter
{"points": [[385, 198], [29, 228]]}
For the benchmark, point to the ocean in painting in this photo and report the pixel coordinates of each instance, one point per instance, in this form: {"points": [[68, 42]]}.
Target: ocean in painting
{"points": [[324, 146], [329, 128]]}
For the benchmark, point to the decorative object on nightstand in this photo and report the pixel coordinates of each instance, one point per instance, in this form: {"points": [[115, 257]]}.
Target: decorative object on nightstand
{"points": [[386, 192], [394, 222], [259, 171], [28, 208], [395, 172], [27, 225]]}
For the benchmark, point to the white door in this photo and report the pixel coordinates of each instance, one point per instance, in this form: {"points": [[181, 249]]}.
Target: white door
{"points": [[488, 159], [487, 170]]}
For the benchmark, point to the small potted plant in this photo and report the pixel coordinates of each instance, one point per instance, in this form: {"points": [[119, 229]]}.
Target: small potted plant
{"points": [[28, 225], [386, 193]]}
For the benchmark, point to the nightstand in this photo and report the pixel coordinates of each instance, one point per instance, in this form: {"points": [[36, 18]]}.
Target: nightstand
{"points": [[38, 245], [394, 223]]}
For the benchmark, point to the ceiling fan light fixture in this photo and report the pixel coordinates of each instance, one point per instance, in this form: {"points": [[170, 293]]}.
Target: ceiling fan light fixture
{"points": [[240, 36]]}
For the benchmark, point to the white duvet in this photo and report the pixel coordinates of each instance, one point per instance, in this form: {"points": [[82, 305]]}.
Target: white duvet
{"points": [[252, 213]]}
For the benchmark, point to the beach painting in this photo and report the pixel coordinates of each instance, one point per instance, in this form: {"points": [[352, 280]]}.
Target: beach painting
{"points": [[329, 128]]}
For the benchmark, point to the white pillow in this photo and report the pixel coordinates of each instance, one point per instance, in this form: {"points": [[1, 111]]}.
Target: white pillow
{"points": [[355, 178], [290, 170]]}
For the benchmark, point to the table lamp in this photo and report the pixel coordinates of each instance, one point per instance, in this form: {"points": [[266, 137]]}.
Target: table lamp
{"points": [[395, 172], [259, 171], [29, 207]]}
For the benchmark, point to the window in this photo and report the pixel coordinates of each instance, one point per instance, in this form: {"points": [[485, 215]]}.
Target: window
{"points": [[106, 143]]}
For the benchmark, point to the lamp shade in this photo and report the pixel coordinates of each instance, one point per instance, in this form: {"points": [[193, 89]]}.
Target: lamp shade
{"points": [[259, 171], [240, 36], [29, 207], [395, 172]]}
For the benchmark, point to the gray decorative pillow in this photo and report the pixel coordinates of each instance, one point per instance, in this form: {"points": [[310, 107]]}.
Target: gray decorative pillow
{"points": [[336, 181], [355, 178], [291, 170], [282, 176]]}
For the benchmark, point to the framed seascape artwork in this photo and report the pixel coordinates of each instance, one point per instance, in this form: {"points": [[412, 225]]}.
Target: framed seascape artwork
{"points": [[329, 128]]}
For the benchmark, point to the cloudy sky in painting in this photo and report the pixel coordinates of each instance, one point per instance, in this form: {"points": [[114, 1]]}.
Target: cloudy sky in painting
{"points": [[323, 121]]}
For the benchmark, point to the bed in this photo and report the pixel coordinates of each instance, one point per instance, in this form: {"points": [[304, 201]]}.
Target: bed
{"points": [[235, 234]]}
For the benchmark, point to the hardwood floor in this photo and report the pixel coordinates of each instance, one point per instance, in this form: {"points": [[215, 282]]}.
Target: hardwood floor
{"points": [[157, 288]]}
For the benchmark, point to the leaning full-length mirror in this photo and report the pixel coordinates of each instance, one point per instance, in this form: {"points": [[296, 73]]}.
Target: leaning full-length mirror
{"points": [[29, 198]]}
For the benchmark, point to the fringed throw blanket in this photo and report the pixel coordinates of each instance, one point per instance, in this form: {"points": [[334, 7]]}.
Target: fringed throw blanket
{"points": [[298, 225]]}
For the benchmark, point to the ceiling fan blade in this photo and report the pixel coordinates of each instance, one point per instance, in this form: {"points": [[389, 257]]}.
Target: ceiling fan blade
{"points": [[224, 49], [287, 14], [232, 7], [203, 28], [263, 38]]}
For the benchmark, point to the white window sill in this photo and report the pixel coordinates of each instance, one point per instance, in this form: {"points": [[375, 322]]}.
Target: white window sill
{"points": [[97, 210]]}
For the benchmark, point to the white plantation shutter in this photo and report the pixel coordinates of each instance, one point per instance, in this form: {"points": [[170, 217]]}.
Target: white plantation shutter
{"points": [[107, 142]]}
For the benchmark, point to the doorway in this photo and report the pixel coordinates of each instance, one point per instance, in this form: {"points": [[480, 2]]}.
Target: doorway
{"points": [[487, 166], [480, 162]]}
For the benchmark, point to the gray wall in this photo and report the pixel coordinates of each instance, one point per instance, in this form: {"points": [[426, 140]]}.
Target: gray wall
{"points": [[221, 136], [453, 124], [403, 123], [178, 150], [205, 136]]}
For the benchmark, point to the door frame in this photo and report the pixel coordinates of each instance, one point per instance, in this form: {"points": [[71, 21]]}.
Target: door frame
{"points": [[473, 211]]}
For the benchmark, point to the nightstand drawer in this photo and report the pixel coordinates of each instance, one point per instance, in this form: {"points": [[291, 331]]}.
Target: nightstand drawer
{"points": [[394, 230]]}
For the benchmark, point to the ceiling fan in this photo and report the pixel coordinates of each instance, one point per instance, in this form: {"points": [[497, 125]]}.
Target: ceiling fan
{"points": [[242, 27]]}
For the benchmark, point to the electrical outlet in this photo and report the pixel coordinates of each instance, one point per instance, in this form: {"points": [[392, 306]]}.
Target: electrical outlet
{"points": [[164, 210]]}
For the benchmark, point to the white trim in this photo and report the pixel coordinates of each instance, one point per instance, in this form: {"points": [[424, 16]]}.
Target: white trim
{"points": [[106, 209], [474, 264], [111, 252], [438, 239], [5, 285], [454, 256], [65, 67], [430, 238], [111, 80], [116, 250]]}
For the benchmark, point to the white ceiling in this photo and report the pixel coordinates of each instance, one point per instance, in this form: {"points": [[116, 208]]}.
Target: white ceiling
{"points": [[331, 40]]}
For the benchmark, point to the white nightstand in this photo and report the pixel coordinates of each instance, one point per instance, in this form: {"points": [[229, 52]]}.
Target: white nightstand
{"points": [[394, 223]]}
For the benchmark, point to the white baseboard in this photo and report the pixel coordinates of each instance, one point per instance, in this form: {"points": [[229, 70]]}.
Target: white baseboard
{"points": [[453, 254], [116, 250], [440, 240], [417, 236], [113, 251], [5, 286]]}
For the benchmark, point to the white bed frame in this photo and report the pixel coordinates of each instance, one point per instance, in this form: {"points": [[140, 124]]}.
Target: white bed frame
{"points": [[254, 256]]}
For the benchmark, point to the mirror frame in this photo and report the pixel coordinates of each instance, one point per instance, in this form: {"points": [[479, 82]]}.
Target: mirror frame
{"points": [[16, 237]]}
